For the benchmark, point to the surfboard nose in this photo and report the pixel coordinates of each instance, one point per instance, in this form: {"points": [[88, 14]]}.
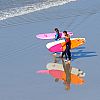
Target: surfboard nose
{"points": [[43, 72]]}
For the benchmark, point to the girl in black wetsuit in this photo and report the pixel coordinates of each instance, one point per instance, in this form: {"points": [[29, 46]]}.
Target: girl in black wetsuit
{"points": [[67, 52], [57, 36]]}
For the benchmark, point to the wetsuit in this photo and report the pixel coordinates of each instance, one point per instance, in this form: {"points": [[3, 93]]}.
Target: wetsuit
{"points": [[57, 36], [67, 50]]}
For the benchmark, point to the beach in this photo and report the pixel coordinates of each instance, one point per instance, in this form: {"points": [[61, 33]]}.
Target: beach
{"points": [[22, 54]]}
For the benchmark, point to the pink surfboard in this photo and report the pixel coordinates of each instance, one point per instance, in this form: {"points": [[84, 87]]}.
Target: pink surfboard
{"points": [[62, 76], [59, 46], [56, 48], [51, 35]]}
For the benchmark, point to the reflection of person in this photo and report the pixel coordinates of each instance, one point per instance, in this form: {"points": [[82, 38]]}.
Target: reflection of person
{"points": [[68, 75], [67, 70], [67, 52]]}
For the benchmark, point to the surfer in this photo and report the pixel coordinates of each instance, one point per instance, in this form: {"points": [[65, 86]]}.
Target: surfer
{"points": [[67, 52], [57, 37]]}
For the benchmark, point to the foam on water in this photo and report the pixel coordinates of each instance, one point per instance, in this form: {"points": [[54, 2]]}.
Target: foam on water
{"points": [[8, 13]]}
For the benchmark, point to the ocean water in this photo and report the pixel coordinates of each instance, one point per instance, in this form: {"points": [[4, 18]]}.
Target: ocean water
{"points": [[11, 8]]}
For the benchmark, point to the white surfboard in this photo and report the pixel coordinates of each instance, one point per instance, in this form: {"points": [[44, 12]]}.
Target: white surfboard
{"points": [[56, 66]]}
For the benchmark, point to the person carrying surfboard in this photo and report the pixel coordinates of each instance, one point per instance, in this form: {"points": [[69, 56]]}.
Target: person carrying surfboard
{"points": [[67, 52], [57, 37]]}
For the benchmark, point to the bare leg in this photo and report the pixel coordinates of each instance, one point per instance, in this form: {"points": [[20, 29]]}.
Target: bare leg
{"points": [[54, 57]]}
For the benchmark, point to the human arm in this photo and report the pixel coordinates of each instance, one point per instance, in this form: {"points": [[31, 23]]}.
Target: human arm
{"points": [[56, 36]]}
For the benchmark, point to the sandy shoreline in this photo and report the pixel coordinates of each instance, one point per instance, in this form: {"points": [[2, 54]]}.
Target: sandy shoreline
{"points": [[22, 54]]}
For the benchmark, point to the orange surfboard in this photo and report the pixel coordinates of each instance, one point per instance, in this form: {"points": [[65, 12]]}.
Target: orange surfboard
{"points": [[74, 43], [74, 79], [62, 76]]}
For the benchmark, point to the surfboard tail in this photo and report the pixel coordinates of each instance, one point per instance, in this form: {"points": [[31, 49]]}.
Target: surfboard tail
{"points": [[43, 72]]}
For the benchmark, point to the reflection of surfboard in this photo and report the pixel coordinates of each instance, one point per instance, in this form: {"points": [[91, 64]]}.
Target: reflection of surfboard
{"points": [[58, 46], [51, 35], [56, 66], [62, 76]]}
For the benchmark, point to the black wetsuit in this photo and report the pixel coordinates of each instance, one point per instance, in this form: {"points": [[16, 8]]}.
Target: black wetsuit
{"points": [[67, 50], [57, 36]]}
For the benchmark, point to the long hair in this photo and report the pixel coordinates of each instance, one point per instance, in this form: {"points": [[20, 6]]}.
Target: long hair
{"points": [[56, 29]]}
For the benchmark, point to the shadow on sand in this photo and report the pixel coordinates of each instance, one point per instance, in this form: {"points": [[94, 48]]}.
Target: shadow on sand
{"points": [[81, 53]]}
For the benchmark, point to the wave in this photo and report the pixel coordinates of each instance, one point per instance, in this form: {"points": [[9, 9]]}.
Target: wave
{"points": [[4, 14]]}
